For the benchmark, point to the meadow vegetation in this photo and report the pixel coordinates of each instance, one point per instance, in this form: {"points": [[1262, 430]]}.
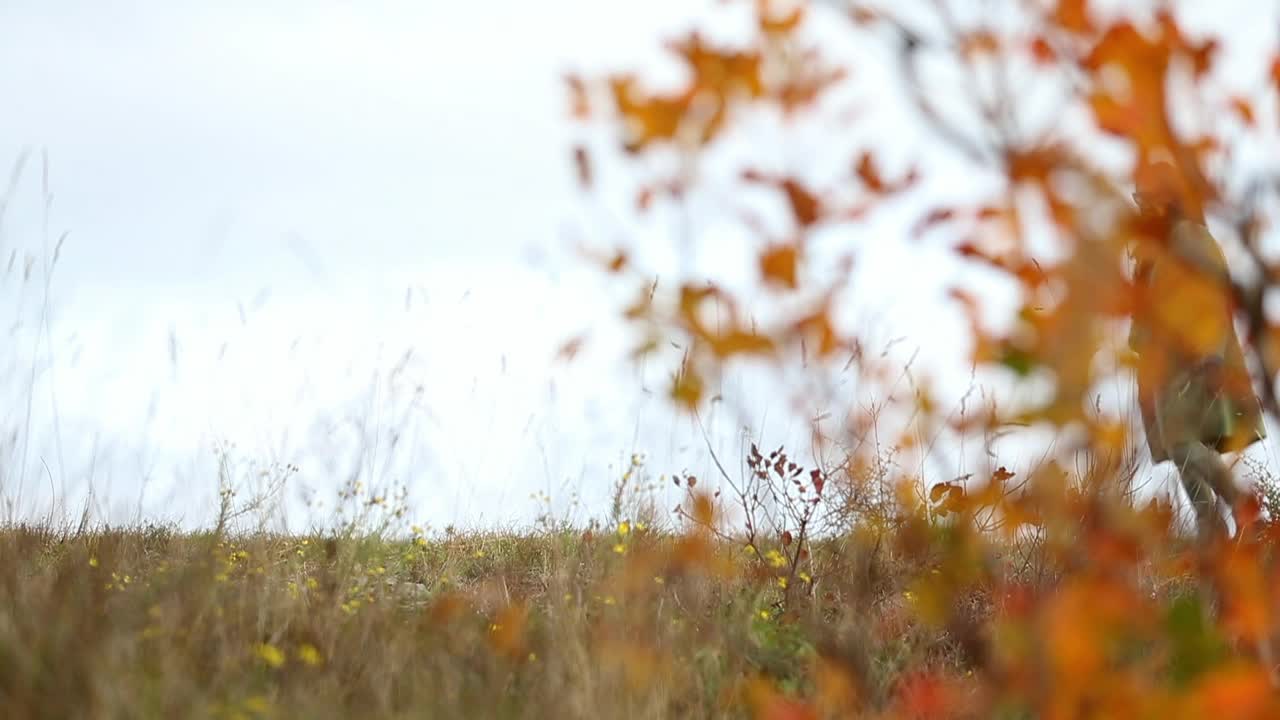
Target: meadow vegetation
{"points": [[897, 608]]}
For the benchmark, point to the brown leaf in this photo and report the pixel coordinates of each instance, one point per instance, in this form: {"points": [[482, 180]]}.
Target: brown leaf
{"points": [[935, 217], [570, 349], [870, 176], [704, 510], [687, 388], [582, 163], [937, 492], [740, 342], [979, 42], [806, 207], [1002, 475]]}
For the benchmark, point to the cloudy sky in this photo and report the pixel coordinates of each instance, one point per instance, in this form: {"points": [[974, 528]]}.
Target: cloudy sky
{"points": [[336, 234]]}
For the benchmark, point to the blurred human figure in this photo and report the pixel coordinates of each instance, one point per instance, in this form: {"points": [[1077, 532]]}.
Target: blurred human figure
{"points": [[1194, 390]]}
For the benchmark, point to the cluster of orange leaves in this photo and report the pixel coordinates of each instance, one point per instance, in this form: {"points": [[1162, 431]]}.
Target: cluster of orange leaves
{"points": [[1122, 68]]}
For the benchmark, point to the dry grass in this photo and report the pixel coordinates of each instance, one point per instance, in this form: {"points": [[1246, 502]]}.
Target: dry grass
{"points": [[904, 610], [153, 623]]}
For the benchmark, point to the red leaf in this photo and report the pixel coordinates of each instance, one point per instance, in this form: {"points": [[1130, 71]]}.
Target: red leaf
{"points": [[1042, 52]]}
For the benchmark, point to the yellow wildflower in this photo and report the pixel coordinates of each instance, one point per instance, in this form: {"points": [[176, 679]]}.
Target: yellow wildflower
{"points": [[309, 655], [270, 654]]}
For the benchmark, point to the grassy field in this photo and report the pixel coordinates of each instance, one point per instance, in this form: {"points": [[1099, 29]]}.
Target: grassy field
{"points": [[630, 623], [920, 618]]}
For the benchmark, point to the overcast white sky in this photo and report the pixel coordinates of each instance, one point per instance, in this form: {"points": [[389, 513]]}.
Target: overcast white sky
{"points": [[268, 204]]}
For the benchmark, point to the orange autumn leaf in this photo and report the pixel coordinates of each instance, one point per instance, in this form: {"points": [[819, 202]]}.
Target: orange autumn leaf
{"points": [[978, 43], [870, 176], [925, 695], [507, 631], [717, 71], [1247, 603], [817, 331], [740, 342], [1073, 15], [687, 388], [801, 88], [718, 79], [1041, 51], [704, 510], [1234, 692], [1136, 110], [774, 23], [645, 119], [932, 219], [579, 98], [837, 685], [778, 266], [806, 207], [767, 703], [986, 347], [1243, 109]]}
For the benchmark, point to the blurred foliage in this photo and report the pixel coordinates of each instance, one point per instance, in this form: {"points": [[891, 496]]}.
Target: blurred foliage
{"points": [[1102, 143]]}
